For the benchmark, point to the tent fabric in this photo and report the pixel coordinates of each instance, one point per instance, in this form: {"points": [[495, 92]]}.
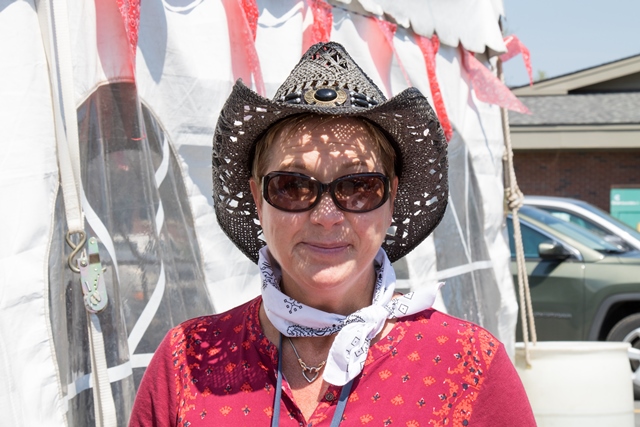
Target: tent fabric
{"points": [[30, 394], [134, 201], [480, 126], [145, 129], [470, 23]]}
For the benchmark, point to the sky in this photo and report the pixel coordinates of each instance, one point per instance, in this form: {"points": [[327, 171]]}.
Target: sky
{"points": [[564, 36]]}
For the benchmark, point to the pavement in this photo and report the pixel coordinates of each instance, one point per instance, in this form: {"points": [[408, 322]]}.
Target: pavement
{"points": [[636, 410]]}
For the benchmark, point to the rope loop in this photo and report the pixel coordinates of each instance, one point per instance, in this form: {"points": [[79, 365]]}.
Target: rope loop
{"points": [[515, 198]]}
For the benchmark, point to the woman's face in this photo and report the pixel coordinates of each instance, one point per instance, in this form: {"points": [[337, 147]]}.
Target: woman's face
{"points": [[326, 254]]}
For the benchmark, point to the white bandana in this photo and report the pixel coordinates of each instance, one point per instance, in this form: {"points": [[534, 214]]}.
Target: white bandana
{"points": [[355, 331]]}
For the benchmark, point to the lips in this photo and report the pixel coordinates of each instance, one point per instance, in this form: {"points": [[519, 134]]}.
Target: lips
{"points": [[326, 247]]}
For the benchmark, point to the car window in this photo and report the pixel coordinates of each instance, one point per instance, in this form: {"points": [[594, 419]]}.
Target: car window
{"points": [[588, 225], [602, 214], [531, 239], [575, 219], [573, 231]]}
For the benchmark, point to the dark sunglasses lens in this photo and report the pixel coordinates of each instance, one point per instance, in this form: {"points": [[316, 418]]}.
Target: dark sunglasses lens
{"points": [[291, 192], [360, 193]]}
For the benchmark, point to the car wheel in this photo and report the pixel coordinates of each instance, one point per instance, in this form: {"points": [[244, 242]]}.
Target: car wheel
{"points": [[628, 330]]}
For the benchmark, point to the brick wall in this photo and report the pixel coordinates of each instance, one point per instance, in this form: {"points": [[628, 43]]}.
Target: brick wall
{"points": [[581, 174]]}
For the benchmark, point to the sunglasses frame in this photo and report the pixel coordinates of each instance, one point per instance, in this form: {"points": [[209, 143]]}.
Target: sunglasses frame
{"points": [[323, 188]]}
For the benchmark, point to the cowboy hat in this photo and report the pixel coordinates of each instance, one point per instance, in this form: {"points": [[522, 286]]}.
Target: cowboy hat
{"points": [[327, 81]]}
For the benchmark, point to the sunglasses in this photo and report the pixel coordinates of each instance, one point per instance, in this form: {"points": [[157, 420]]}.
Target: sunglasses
{"points": [[295, 192]]}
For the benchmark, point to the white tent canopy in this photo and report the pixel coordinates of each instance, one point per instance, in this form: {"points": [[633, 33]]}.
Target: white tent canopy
{"points": [[472, 24], [146, 111]]}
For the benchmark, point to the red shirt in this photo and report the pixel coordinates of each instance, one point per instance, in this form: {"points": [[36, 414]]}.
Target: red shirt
{"points": [[431, 369]]}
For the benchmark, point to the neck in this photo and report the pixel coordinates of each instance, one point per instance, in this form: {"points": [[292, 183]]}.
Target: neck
{"points": [[341, 299], [320, 345]]}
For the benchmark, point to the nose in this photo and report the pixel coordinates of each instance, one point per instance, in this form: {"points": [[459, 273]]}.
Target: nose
{"points": [[326, 213]]}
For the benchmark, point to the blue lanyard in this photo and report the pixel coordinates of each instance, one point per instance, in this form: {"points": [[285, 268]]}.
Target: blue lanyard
{"points": [[342, 401]]}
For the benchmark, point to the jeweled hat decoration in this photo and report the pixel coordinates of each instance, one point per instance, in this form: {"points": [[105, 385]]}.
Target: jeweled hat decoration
{"points": [[327, 81]]}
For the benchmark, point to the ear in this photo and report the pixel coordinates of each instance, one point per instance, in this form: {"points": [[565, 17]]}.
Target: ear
{"points": [[394, 189], [257, 196], [392, 197]]}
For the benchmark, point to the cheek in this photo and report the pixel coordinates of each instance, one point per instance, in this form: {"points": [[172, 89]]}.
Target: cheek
{"points": [[375, 226], [270, 228], [277, 224], [267, 221]]}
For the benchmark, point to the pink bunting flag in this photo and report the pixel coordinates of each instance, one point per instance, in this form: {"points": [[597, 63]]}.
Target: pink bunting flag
{"points": [[130, 11], [389, 29], [488, 87], [514, 47], [320, 30], [250, 8], [429, 48], [242, 20]]}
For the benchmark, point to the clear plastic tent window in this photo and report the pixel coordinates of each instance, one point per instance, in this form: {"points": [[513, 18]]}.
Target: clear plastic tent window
{"points": [[137, 207]]}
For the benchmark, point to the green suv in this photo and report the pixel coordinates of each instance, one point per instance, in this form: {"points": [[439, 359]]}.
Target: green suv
{"points": [[582, 287]]}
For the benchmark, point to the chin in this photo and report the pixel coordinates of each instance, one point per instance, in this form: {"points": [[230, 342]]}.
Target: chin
{"points": [[335, 275]]}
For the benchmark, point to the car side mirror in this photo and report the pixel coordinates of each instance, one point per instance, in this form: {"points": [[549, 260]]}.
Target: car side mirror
{"points": [[553, 251]]}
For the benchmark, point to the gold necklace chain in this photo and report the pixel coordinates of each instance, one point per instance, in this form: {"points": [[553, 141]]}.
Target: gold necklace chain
{"points": [[313, 371]]}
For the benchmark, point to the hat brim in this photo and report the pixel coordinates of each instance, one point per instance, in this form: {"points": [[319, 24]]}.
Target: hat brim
{"points": [[407, 119]]}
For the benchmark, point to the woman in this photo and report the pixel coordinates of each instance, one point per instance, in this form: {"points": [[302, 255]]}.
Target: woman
{"points": [[338, 182]]}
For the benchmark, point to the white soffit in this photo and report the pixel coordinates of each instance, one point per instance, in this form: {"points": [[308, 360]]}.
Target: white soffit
{"points": [[472, 23], [561, 85]]}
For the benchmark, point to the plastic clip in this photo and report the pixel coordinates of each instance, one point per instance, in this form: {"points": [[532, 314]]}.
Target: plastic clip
{"points": [[92, 278]]}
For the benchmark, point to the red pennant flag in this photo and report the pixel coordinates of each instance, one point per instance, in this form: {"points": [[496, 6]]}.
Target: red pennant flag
{"points": [[429, 48], [488, 87], [250, 8], [514, 47], [130, 11], [389, 31], [320, 30], [242, 30]]}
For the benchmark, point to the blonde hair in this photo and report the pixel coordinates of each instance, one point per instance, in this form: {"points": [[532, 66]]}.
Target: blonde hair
{"points": [[285, 128]]}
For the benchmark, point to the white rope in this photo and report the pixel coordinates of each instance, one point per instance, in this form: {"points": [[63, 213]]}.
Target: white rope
{"points": [[514, 199]]}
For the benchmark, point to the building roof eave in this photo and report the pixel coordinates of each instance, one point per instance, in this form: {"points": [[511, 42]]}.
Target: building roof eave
{"points": [[561, 85]]}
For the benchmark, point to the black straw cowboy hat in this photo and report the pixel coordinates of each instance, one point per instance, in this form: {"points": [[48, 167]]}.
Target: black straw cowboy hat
{"points": [[327, 81]]}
